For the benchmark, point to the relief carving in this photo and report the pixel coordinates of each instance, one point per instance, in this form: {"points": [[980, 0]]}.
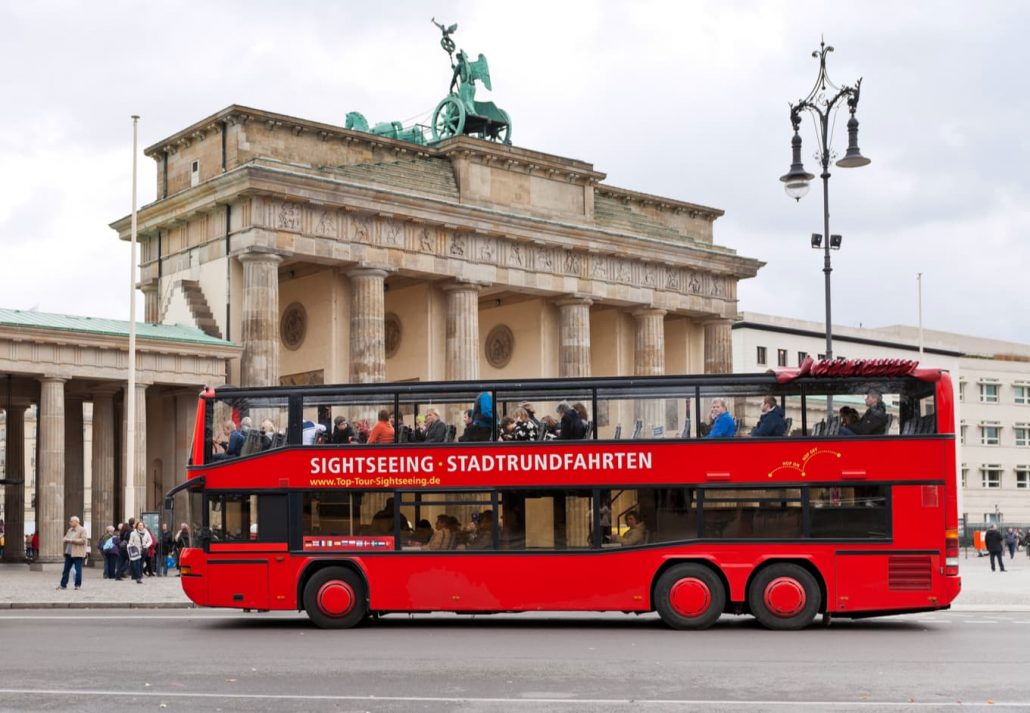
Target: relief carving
{"points": [[326, 224], [545, 258], [515, 256], [425, 241], [598, 267], [293, 326], [623, 272], [361, 229], [392, 234], [288, 216], [500, 345], [487, 250], [674, 279], [573, 262], [458, 245], [650, 275], [391, 334], [694, 283]]}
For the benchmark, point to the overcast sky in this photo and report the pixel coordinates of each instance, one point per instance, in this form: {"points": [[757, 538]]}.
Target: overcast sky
{"points": [[680, 99]]}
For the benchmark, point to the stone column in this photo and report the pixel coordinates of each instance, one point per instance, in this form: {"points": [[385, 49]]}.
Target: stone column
{"points": [[14, 495], [574, 337], [74, 467], [718, 347], [367, 326], [649, 360], [151, 307], [50, 520], [259, 365], [135, 500], [102, 497], [462, 331]]}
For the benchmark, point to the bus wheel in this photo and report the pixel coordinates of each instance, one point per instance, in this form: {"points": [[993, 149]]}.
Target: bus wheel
{"points": [[784, 596], [335, 598], [689, 596]]}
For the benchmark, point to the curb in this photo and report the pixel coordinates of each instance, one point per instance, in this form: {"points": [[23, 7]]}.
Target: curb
{"points": [[97, 605]]}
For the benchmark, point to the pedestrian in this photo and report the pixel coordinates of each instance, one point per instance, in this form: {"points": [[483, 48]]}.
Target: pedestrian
{"points": [[165, 551], [1026, 542], [108, 547], [74, 551], [1011, 541], [124, 531], [993, 539], [139, 541]]}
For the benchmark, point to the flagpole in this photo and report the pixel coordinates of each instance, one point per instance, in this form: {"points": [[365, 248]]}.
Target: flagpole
{"points": [[919, 281], [130, 396]]}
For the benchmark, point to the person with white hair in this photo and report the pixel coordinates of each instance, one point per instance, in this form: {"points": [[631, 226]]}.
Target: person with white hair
{"points": [[436, 430], [74, 552]]}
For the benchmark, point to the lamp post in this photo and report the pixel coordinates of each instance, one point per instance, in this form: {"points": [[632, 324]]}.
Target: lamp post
{"points": [[796, 181]]}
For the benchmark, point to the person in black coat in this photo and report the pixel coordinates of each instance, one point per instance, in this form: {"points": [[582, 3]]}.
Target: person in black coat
{"points": [[436, 430], [873, 421], [342, 431], [995, 546], [772, 422]]}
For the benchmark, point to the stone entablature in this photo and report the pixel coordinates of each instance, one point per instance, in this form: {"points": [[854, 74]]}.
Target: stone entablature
{"points": [[307, 214]]}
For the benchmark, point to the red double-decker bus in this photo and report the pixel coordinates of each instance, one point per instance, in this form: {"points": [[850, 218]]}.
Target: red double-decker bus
{"points": [[599, 494]]}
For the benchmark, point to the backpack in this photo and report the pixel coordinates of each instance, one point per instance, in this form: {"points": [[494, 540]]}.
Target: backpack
{"points": [[108, 546]]}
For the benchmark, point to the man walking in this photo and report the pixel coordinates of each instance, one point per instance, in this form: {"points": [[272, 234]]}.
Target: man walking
{"points": [[993, 540], [1011, 541], [74, 552]]}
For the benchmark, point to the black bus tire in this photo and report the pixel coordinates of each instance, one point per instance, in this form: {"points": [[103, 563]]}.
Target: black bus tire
{"points": [[689, 596], [784, 596], [336, 598]]}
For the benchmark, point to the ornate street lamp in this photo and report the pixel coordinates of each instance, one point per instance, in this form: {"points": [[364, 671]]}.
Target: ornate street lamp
{"points": [[796, 181]]}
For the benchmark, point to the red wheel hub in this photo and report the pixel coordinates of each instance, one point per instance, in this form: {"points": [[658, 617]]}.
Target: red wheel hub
{"points": [[690, 597], [335, 598], [784, 596]]}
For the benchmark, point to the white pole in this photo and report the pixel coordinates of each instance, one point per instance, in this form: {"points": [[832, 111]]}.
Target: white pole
{"points": [[919, 281], [130, 396]]}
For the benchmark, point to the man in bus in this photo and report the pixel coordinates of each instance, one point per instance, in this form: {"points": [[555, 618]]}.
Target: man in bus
{"points": [[873, 421], [723, 425], [636, 534], [771, 423]]}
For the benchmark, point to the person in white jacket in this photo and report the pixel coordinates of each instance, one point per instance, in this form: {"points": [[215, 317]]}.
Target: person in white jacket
{"points": [[139, 542]]}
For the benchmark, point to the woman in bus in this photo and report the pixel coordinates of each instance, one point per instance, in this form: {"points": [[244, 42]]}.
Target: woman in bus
{"points": [[507, 429], [525, 429], [443, 537], [635, 535]]}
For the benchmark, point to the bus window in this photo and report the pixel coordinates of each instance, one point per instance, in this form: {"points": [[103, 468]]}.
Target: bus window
{"points": [[261, 421], [766, 513], [470, 514], [645, 413], [333, 512], [666, 514], [232, 517], [887, 407], [849, 512], [544, 410], [546, 520]]}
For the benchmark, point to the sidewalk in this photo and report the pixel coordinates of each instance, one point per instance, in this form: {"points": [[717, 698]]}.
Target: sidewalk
{"points": [[982, 590]]}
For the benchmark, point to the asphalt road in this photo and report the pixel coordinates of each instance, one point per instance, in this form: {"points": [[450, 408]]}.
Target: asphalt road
{"points": [[224, 661]]}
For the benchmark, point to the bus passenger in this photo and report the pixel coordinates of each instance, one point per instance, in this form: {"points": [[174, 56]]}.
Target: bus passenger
{"points": [[723, 425], [382, 432], [848, 417], [873, 421], [572, 425], [483, 537], [443, 536], [435, 429], [532, 415], [525, 428], [268, 433], [584, 416], [636, 534], [550, 427], [507, 430], [771, 423], [342, 431], [466, 419]]}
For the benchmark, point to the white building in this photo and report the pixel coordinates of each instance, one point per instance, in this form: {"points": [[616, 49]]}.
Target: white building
{"points": [[992, 379]]}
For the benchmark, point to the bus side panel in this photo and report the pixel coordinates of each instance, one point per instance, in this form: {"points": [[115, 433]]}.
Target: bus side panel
{"points": [[464, 582], [241, 583], [870, 582]]}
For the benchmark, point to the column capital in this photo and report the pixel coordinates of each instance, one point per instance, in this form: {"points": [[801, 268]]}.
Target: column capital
{"points": [[368, 271], [147, 287], [570, 300], [258, 254], [717, 321], [53, 379], [458, 285], [649, 312]]}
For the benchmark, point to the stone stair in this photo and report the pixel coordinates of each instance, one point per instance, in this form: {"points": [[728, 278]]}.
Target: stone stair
{"points": [[199, 308], [432, 176]]}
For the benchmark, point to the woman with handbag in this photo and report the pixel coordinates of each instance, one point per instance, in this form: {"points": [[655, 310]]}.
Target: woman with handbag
{"points": [[139, 541]]}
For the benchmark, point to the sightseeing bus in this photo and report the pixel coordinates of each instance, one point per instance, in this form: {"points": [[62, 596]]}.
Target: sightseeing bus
{"points": [[642, 508]]}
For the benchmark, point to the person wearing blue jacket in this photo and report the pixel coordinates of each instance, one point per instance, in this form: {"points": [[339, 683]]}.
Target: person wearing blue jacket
{"points": [[723, 425], [771, 423], [483, 413]]}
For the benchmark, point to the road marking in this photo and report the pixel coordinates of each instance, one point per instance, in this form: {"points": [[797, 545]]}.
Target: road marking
{"points": [[593, 702]]}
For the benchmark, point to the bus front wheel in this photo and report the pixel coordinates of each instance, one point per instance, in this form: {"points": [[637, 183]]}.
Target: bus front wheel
{"points": [[784, 596], [335, 598], [689, 596]]}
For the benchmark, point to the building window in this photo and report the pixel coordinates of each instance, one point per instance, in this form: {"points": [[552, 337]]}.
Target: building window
{"points": [[1023, 476], [761, 355], [962, 434], [988, 393], [1022, 435], [965, 476], [781, 357], [990, 476], [822, 357], [1021, 394], [961, 391], [990, 435], [801, 357]]}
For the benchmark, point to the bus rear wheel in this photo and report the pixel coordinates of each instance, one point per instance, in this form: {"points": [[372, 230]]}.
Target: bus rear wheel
{"points": [[689, 596], [335, 598], [784, 596]]}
